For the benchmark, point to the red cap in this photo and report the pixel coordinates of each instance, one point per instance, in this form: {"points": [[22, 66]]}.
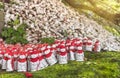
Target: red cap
{"points": [[34, 52], [97, 41]]}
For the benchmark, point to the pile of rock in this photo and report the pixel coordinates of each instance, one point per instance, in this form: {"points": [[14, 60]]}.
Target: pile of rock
{"points": [[47, 18]]}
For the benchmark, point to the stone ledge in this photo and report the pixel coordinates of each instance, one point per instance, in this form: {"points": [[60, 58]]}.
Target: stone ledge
{"points": [[1, 20], [1, 16], [1, 25]]}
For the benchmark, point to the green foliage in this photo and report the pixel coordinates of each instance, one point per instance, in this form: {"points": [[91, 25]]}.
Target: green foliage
{"points": [[105, 12], [49, 40], [14, 23], [21, 28], [12, 36], [65, 33], [113, 30]]}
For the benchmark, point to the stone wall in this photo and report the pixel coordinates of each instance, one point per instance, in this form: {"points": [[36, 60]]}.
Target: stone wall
{"points": [[6, 1], [1, 20]]}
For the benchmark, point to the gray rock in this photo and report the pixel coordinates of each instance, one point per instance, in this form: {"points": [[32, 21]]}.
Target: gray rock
{"points": [[53, 16]]}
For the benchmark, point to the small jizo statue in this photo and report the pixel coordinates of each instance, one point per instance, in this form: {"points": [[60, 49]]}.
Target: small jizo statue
{"points": [[49, 56], [89, 45], [63, 55], [22, 62], [5, 58], [1, 55], [72, 50], [10, 62], [79, 51], [34, 60], [97, 46]]}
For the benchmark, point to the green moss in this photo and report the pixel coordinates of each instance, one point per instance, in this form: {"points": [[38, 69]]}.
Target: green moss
{"points": [[112, 30], [14, 22], [49, 40], [105, 12]]}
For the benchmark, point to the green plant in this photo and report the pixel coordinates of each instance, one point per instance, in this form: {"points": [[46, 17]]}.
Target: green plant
{"points": [[49, 40], [65, 33], [12, 36], [112, 30], [14, 22]]}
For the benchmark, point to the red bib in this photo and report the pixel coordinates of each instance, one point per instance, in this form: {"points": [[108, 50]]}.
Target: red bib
{"points": [[34, 59], [48, 55], [40, 58], [6, 58], [22, 60], [79, 51], [63, 53], [89, 43]]}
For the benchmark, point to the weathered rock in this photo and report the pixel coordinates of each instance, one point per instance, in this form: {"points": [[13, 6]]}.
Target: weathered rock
{"points": [[51, 18], [1, 20]]}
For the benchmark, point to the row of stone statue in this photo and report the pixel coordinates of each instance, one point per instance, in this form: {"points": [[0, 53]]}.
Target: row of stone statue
{"points": [[34, 57]]}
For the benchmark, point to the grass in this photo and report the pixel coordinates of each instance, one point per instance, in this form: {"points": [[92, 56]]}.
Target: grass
{"points": [[98, 65]]}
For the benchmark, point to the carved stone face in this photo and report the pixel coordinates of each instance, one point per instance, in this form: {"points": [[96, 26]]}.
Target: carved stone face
{"points": [[53, 46], [9, 56], [62, 50], [47, 51], [85, 40], [22, 56], [43, 48], [34, 55], [29, 49], [15, 55], [56, 44], [79, 48], [6, 54], [68, 43], [72, 47], [48, 47], [15, 50], [89, 40], [78, 42], [40, 54]]}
